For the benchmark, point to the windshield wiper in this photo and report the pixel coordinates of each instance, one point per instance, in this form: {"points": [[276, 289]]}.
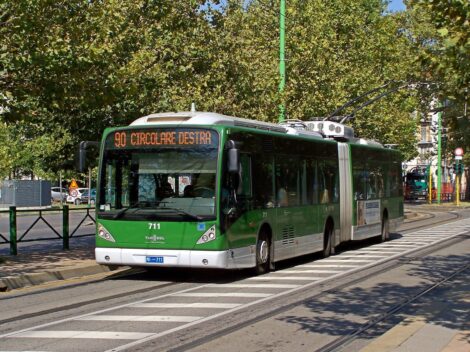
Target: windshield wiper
{"points": [[182, 212], [121, 212]]}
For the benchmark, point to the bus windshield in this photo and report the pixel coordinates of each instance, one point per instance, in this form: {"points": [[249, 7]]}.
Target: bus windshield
{"points": [[156, 176]]}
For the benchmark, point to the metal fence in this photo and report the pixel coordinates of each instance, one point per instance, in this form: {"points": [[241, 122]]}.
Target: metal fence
{"points": [[37, 225]]}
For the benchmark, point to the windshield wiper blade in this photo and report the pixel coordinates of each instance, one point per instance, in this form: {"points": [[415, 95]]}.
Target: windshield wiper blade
{"points": [[183, 212], [121, 212]]}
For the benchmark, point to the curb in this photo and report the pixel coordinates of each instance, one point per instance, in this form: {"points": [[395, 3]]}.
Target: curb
{"points": [[15, 282]]}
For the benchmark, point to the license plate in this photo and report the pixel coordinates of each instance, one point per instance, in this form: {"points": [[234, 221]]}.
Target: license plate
{"points": [[152, 259]]}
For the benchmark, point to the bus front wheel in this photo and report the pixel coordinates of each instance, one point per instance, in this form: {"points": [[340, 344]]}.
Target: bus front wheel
{"points": [[262, 255]]}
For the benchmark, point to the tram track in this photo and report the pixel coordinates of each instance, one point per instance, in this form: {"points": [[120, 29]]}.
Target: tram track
{"points": [[432, 215], [327, 287], [82, 304], [340, 343], [256, 312], [166, 286]]}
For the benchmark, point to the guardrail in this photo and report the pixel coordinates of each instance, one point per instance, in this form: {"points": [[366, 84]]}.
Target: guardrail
{"points": [[16, 236]]}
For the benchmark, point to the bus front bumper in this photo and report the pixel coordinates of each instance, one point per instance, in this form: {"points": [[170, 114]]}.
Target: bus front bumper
{"points": [[227, 259]]}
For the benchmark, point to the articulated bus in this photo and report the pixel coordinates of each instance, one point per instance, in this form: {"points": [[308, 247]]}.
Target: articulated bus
{"points": [[204, 190]]}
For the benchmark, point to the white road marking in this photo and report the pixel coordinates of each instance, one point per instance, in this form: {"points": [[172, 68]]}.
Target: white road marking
{"points": [[113, 335], [378, 250], [220, 294], [152, 318], [415, 241], [310, 271], [319, 265], [286, 278], [395, 244], [188, 305], [347, 260], [360, 256], [253, 285]]}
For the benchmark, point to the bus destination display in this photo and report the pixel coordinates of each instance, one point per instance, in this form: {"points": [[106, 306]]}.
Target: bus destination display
{"points": [[126, 139]]}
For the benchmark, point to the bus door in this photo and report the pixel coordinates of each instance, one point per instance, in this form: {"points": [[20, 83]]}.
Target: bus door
{"points": [[289, 217], [368, 191], [346, 201]]}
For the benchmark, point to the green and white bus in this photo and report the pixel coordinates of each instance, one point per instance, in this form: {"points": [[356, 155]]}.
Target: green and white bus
{"points": [[204, 190]]}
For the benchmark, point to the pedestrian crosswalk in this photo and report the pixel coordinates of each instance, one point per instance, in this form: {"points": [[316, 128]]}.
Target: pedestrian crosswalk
{"points": [[157, 316]]}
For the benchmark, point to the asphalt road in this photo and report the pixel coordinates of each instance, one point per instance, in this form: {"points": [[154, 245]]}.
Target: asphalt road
{"points": [[306, 304]]}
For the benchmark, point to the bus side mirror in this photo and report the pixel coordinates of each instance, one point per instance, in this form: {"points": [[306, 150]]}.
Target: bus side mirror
{"points": [[82, 154], [233, 160]]}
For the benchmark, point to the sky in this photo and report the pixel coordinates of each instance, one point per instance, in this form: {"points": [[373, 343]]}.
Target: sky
{"points": [[396, 5]]}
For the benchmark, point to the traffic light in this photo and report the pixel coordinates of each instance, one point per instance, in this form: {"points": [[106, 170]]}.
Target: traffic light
{"points": [[458, 168]]}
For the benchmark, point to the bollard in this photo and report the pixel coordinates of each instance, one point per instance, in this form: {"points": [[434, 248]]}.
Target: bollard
{"points": [[13, 245], [65, 227]]}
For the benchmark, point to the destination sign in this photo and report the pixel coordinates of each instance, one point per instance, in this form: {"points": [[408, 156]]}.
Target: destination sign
{"points": [[164, 137]]}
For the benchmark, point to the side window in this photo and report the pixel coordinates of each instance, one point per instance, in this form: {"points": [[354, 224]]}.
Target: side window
{"points": [[305, 196], [359, 181], [245, 188], [313, 185], [287, 181], [329, 182], [375, 184], [262, 176]]}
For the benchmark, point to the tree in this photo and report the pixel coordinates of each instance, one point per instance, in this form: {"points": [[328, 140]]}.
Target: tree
{"points": [[72, 68], [448, 51]]}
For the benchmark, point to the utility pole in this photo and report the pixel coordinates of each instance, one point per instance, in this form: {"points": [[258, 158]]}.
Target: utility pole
{"points": [[282, 60], [439, 155]]}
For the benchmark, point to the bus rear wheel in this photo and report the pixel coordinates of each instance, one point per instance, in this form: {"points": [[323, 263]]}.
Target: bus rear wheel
{"points": [[262, 255], [385, 235], [327, 245]]}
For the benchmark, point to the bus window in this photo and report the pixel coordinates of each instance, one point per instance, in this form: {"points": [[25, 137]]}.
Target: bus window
{"points": [[375, 184], [245, 188], [287, 181], [359, 182], [329, 182], [262, 176]]}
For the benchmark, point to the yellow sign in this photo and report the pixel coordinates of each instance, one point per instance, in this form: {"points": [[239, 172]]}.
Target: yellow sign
{"points": [[73, 184]]}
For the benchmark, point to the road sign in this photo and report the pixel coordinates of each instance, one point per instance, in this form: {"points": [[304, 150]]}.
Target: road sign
{"points": [[73, 184], [458, 152]]}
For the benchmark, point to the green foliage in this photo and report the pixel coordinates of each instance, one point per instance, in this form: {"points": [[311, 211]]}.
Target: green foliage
{"points": [[443, 28], [31, 149], [448, 49], [68, 69]]}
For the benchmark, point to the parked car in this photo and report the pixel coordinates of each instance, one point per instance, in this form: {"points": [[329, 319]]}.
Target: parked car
{"points": [[75, 195], [84, 197], [57, 195]]}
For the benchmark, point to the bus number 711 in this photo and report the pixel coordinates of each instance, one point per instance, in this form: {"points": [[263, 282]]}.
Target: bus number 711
{"points": [[154, 226]]}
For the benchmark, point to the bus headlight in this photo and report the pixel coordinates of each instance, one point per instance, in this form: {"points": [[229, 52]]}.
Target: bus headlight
{"points": [[104, 234], [207, 236]]}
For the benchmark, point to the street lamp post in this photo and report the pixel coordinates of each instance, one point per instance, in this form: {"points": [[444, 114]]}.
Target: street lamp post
{"points": [[439, 156], [282, 59]]}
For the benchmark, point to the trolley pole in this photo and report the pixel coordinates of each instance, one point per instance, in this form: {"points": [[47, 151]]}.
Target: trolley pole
{"points": [[282, 59]]}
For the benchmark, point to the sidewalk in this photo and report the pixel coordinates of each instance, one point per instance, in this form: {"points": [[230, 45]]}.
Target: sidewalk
{"points": [[45, 262]]}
